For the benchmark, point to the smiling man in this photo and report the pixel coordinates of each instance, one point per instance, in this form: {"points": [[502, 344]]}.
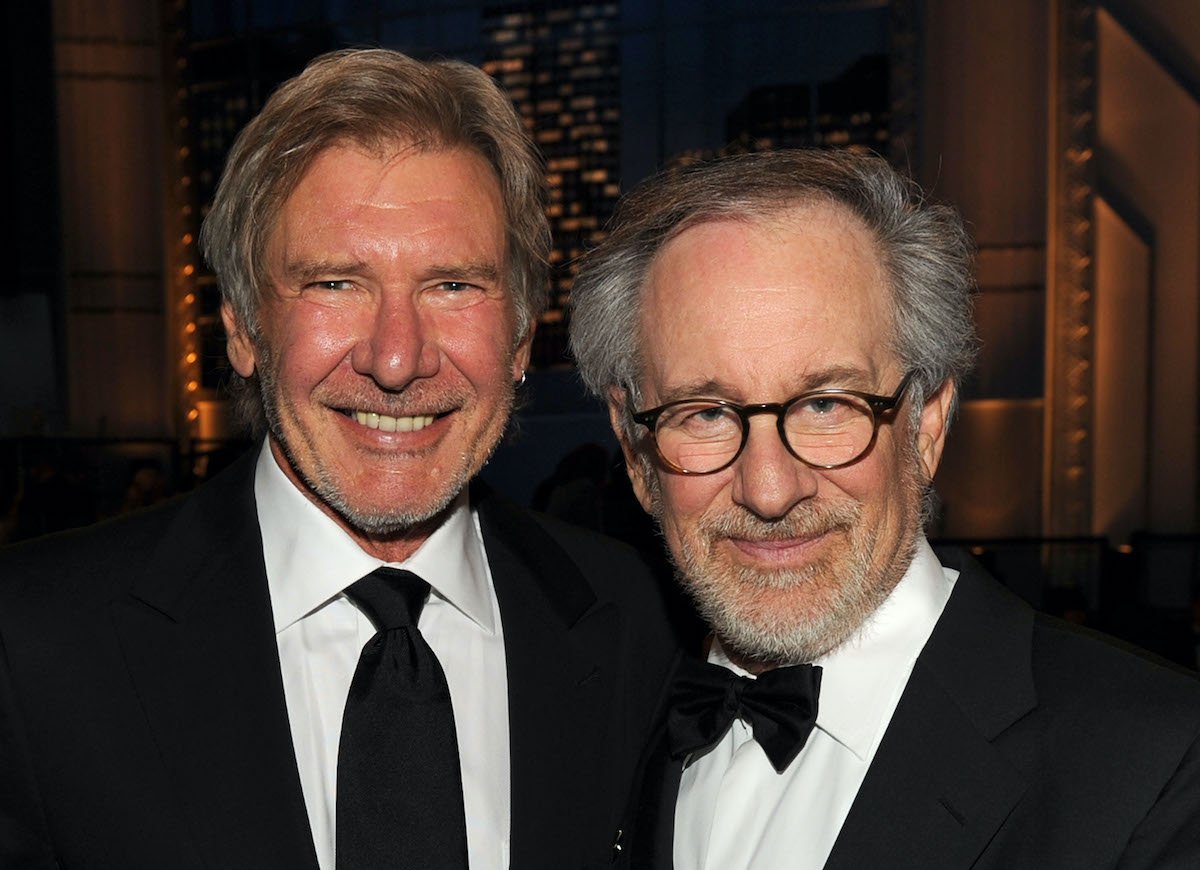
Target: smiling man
{"points": [[780, 338], [337, 654]]}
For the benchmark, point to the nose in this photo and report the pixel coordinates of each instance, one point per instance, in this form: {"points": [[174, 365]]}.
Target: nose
{"points": [[767, 479], [398, 345]]}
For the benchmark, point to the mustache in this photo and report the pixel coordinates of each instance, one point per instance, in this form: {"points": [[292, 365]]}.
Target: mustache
{"points": [[803, 520], [415, 399]]}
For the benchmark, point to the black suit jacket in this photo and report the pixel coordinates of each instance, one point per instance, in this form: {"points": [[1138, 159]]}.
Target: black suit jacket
{"points": [[142, 715], [1019, 742]]}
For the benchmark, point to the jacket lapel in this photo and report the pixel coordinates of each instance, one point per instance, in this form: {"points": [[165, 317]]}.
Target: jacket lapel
{"points": [[198, 637], [941, 783], [651, 837], [556, 635]]}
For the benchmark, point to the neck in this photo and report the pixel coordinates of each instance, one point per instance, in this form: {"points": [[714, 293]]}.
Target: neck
{"points": [[394, 546], [747, 663]]}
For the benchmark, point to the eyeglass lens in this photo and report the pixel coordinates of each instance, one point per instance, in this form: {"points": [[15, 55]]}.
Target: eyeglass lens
{"points": [[822, 430]]}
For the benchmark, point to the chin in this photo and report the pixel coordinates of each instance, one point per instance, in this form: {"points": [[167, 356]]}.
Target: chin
{"points": [[388, 516], [787, 617]]}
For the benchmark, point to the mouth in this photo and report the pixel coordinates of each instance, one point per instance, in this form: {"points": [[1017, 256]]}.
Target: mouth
{"points": [[775, 546], [386, 423]]}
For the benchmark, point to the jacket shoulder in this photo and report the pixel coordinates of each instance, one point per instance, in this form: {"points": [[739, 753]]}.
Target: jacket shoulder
{"points": [[89, 566], [83, 564], [609, 564], [1080, 670]]}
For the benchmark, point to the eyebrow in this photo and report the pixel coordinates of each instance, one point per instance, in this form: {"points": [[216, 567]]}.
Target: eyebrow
{"points": [[475, 270], [831, 377], [306, 271]]}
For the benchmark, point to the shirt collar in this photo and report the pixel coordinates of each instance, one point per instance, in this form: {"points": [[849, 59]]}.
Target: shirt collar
{"points": [[861, 681], [310, 559]]}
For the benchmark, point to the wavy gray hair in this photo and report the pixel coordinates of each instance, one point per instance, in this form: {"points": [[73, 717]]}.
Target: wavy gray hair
{"points": [[371, 98], [923, 246]]}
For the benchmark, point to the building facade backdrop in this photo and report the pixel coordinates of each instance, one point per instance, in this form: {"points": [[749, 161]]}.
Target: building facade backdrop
{"points": [[1067, 133]]}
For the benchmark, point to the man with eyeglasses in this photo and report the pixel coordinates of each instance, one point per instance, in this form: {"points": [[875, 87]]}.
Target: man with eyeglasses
{"points": [[780, 338]]}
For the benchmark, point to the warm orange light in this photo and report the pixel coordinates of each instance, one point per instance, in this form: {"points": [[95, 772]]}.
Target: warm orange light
{"points": [[193, 414], [191, 358], [189, 269], [190, 328], [193, 386], [190, 299], [187, 238]]}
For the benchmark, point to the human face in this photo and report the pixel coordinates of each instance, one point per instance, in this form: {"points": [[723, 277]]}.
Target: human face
{"points": [[784, 560], [388, 345]]}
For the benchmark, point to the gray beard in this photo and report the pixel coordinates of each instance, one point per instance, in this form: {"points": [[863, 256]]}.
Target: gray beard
{"points": [[835, 595]]}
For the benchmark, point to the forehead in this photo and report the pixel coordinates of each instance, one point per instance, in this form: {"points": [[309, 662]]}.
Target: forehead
{"points": [[760, 309], [351, 194]]}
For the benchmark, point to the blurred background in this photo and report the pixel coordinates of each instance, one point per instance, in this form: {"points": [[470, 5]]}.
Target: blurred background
{"points": [[1066, 131]]}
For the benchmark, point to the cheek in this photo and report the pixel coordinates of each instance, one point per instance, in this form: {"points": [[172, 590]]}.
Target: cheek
{"points": [[860, 483], [481, 347], [879, 485], [684, 500], [312, 339], [874, 478]]}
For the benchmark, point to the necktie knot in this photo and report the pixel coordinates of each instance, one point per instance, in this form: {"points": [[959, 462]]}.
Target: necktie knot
{"points": [[780, 707], [391, 598], [735, 689]]}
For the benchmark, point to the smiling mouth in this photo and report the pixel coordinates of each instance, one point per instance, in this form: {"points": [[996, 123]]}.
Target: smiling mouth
{"points": [[384, 423], [772, 546]]}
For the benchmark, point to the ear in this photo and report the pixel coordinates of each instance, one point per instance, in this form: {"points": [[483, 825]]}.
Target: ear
{"points": [[521, 355], [633, 463], [238, 345], [935, 419]]}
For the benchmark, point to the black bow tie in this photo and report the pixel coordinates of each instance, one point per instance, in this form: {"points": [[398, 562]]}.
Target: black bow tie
{"points": [[781, 707]]}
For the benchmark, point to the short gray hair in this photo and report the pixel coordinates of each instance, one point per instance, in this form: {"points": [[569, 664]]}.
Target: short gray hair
{"points": [[923, 246], [372, 98]]}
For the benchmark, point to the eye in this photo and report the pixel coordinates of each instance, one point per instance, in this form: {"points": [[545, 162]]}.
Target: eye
{"points": [[336, 284], [706, 416], [825, 411], [702, 420], [455, 294], [821, 406]]}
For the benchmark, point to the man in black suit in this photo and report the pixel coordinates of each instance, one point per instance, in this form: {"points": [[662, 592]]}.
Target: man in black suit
{"points": [[780, 338], [338, 645]]}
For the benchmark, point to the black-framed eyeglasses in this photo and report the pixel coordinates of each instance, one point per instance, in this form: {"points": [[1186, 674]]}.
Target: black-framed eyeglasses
{"points": [[821, 428]]}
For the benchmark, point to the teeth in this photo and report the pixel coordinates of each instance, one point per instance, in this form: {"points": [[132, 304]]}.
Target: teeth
{"points": [[392, 424]]}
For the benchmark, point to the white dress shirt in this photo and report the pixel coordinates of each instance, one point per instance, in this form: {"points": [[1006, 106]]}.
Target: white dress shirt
{"points": [[735, 812], [309, 561]]}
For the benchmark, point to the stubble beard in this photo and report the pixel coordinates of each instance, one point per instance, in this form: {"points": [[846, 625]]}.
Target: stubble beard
{"points": [[321, 483], [791, 615]]}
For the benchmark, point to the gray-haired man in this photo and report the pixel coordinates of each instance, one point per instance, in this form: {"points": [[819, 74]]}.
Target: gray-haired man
{"points": [[780, 338]]}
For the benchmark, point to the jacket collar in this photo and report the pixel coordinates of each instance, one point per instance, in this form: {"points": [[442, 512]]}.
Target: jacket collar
{"points": [[940, 786], [556, 635], [198, 637]]}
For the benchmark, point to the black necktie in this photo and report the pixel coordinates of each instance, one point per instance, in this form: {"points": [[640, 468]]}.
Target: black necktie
{"points": [[399, 784], [781, 707]]}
